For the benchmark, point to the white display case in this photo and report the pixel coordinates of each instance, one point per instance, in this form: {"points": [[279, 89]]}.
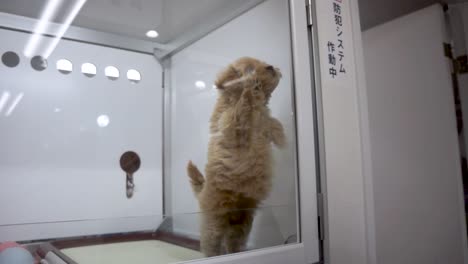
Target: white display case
{"points": [[83, 82]]}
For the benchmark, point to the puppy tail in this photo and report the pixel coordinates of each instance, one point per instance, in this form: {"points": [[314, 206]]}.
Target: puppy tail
{"points": [[196, 178]]}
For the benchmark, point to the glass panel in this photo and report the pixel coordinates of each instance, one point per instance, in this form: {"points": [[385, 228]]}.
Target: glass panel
{"points": [[161, 130], [144, 245]]}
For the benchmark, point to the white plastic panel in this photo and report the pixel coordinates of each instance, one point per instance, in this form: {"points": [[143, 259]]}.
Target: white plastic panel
{"points": [[61, 144], [419, 214], [193, 96]]}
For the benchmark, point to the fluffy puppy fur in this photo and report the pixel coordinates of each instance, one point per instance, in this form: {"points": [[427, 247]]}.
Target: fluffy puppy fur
{"points": [[238, 172]]}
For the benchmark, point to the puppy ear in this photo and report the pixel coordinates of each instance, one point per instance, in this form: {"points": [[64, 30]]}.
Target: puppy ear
{"points": [[229, 74]]}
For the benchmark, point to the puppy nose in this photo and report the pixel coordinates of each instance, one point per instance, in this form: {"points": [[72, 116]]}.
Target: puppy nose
{"points": [[271, 69], [278, 72]]}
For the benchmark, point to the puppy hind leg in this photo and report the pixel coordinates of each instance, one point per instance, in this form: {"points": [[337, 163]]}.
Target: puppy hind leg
{"points": [[238, 231], [212, 233]]}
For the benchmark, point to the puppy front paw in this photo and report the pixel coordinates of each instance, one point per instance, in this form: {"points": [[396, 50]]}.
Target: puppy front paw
{"points": [[247, 95]]}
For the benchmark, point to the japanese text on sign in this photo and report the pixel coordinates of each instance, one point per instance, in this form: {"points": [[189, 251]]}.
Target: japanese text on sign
{"points": [[335, 47]]}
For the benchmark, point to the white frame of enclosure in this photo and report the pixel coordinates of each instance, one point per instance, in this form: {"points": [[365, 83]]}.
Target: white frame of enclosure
{"points": [[308, 250]]}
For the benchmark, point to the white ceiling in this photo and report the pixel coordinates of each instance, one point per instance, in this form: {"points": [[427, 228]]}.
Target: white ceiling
{"points": [[374, 12], [171, 18]]}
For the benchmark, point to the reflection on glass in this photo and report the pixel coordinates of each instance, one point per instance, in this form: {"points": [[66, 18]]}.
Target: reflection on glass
{"points": [[14, 104], [69, 16], [48, 13], [4, 99], [65, 12]]}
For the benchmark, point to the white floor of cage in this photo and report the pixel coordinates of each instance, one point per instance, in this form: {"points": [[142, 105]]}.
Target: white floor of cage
{"points": [[138, 252]]}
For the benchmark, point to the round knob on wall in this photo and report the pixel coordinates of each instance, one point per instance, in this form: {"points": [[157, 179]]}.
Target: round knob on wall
{"points": [[130, 163]]}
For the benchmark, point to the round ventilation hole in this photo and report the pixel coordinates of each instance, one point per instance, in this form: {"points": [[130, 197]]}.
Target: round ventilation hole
{"points": [[39, 63], [112, 73], [64, 66], [88, 69], [10, 59], [134, 76]]}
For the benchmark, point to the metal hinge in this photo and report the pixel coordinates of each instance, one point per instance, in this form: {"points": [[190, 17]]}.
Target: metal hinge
{"points": [[448, 50], [459, 64], [309, 13], [321, 216]]}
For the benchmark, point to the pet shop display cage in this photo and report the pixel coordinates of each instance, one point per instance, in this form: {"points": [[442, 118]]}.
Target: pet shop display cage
{"points": [[103, 104]]}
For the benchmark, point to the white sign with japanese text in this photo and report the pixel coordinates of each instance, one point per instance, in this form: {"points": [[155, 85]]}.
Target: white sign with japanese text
{"points": [[335, 40]]}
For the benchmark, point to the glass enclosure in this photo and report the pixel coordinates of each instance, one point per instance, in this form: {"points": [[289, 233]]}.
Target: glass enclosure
{"points": [[146, 131]]}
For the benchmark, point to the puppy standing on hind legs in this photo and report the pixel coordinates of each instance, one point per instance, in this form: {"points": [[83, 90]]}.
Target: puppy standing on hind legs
{"points": [[238, 171]]}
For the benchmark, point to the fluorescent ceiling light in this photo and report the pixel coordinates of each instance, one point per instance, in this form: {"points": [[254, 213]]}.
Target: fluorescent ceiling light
{"points": [[50, 10], [64, 27]]}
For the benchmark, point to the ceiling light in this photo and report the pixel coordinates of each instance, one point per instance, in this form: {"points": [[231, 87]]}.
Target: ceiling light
{"points": [[75, 9], [103, 120], [50, 11], [152, 34], [200, 85]]}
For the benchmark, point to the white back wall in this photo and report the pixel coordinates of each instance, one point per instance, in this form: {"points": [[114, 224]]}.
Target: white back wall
{"points": [[418, 199], [57, 164], [263, 33]]}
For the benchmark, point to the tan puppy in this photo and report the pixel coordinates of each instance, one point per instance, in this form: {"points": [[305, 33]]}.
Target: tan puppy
{"points": [[238, 172]]}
